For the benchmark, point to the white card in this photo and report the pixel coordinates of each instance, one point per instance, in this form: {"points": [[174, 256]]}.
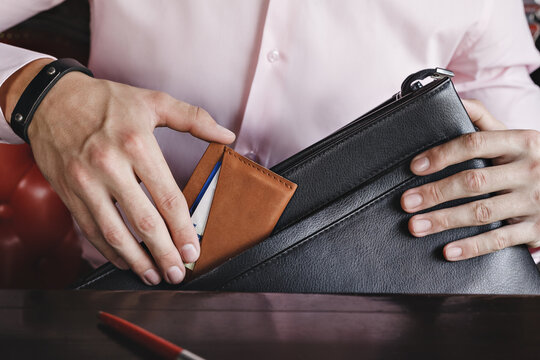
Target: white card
{"points": [[202, 204]]}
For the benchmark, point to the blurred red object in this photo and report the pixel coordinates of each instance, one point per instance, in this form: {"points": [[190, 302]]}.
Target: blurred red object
{"points": [[38, 244], [532, 12]]}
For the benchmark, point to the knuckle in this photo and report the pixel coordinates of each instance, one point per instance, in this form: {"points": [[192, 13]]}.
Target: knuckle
{"points": [[133, 144], [441, 220], [114, 237], [536, 228], [475, 248], [184, 232], [435, 192], [168, 256], [534, 168], [198, 115], [89, 231], [203, 114], [438, 156], [473, 141], [193, 113], [77, 173], [103, 158], [139, 265], [532, 140], [169, 202], [501, 241], [475, 180], [476, 102], [147, 224], [159, 97], [482, 213], [536, 196]]}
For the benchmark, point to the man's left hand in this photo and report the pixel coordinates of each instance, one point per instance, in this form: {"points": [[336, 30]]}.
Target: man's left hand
{"points": [[515, 178]]}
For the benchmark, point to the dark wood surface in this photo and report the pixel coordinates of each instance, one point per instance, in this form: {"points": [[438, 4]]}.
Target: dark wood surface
{"points": [[63, 325]]}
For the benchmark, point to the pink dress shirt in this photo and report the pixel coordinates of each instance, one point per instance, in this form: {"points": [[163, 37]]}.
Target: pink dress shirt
{"points": [[283, 74]]}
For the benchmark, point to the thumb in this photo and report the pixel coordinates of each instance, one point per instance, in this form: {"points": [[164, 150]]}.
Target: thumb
{"points": [[481, 117], [185, 117]]}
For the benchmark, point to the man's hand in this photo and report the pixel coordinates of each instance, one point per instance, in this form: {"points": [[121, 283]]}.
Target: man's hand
{"points": [[93, 141], [515, 177]]}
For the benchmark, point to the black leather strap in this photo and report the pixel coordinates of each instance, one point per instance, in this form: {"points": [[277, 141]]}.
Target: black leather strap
{"points": [[36, 91]]}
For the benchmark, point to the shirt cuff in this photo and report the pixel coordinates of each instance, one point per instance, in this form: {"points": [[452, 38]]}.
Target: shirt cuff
{"points": [[13, 58]]}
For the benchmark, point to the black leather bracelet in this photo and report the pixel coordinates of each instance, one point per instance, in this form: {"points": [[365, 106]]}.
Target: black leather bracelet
{"points": [[34, 93]]}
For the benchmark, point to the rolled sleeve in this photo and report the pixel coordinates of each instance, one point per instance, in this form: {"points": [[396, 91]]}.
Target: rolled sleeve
{"points": [[13, 58]]}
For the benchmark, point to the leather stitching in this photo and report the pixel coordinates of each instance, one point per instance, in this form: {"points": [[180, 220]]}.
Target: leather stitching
{"points": [[257, 168], [376, 123], [96, 279]]}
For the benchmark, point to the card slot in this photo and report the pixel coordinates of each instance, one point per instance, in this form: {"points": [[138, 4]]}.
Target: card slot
{"points": [[247, 204], [204, 168]]}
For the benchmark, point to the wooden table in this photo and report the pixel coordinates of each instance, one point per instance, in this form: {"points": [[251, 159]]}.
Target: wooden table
{"points": [[63, 325]]}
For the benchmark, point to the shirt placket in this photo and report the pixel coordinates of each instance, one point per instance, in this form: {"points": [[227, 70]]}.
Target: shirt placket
{"points": [[256, 131]]}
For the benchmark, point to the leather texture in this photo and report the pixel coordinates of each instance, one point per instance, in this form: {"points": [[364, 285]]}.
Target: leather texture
{"points": [[344, 230], [247, 204]]}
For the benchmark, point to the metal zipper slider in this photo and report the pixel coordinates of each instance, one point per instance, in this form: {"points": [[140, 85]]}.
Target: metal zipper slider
{"points": [[441, 73], [413, 81]]}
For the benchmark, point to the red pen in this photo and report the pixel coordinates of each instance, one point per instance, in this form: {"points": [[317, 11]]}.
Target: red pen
{"points": [[166, 349]]}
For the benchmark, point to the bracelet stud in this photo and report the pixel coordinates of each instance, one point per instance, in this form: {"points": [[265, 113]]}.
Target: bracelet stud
{"points": [[18, 117], [37, 89]]}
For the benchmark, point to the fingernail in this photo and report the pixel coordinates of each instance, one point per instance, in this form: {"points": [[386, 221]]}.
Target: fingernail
{"points": [[121, 264], [453, 252], [189, 253], [422, 225], [420, 164], [175, 275], [413, 200], [152, 277]]}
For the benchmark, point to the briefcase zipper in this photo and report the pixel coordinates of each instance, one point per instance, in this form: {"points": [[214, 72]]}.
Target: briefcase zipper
{"points": [[413, 82], [410, 89]]}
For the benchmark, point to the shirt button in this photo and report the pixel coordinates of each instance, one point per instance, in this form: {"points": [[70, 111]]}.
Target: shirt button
{"points": [[272, 56], [252, 156]]}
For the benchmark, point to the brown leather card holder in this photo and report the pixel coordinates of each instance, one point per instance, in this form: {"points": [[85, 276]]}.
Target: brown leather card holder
{"points": [[248, 201]]}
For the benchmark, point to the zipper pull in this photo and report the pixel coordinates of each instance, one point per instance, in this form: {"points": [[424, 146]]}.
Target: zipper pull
{"points": [[412, 82]]}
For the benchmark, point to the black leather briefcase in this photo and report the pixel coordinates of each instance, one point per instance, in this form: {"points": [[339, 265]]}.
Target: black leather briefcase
{"points": [[344, 230]]}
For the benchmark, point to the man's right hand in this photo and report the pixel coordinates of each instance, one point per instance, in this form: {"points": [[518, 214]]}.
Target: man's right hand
{"points": [[93, 141]]}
